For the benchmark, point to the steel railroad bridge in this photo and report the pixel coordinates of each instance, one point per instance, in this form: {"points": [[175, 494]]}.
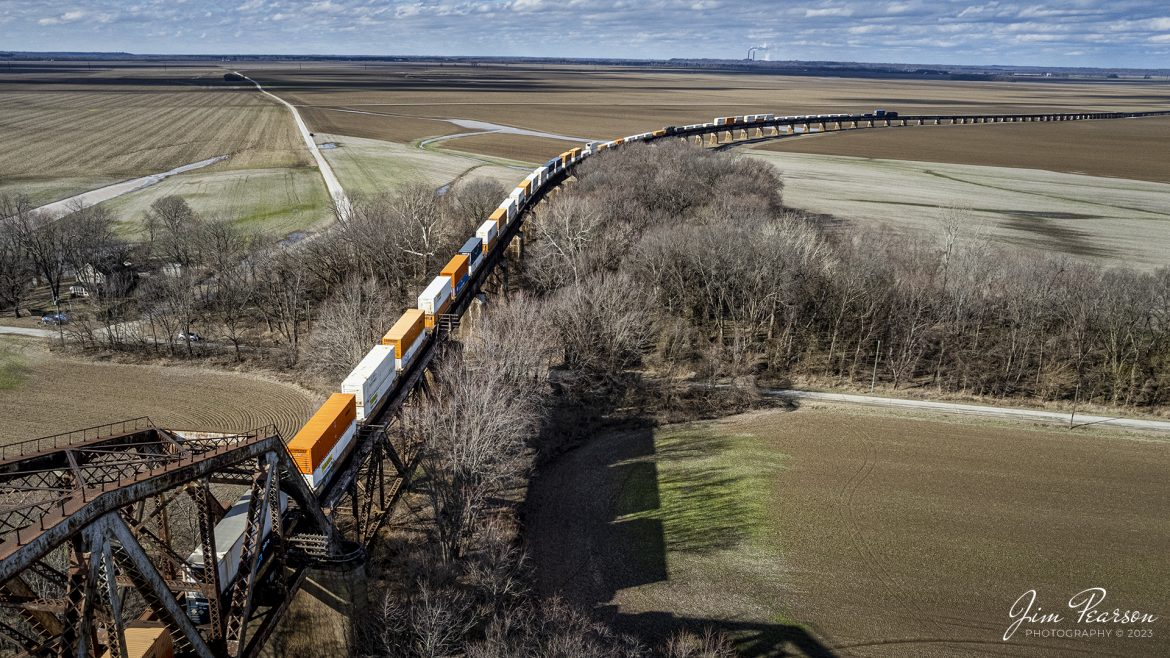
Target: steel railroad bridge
{"points": [[96, 525]]}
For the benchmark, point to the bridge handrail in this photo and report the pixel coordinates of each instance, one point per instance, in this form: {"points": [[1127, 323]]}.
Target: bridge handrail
{"points": [[75, 437]]}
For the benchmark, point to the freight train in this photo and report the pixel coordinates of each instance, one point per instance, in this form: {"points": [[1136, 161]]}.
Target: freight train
{"points": [[322, 445]]}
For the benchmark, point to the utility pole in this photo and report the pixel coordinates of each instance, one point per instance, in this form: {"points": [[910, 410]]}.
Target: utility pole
{"points": [[877, 357], [1076, 397], [60, 321]]}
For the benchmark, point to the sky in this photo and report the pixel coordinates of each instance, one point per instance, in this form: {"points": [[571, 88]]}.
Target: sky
{"points": [[1103, 33]]}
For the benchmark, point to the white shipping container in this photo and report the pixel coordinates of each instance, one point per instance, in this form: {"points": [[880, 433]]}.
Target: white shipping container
{"points": [[325, 470], [511, 205], [487, 231], [370, 380], [435, 297], [229, 541]]}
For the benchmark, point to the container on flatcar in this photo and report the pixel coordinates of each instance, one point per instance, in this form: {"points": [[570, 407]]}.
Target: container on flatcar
{"points": [[370, 380], [229, 543], [326, 439], [499, 217], [435, 299], [146, 640], [473, 249], [487, 233], [406, 336], [512, 206], [456, 268]]}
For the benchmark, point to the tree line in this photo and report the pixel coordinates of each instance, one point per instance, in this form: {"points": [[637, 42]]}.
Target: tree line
{"points": [[182, 285], [729, 283]]}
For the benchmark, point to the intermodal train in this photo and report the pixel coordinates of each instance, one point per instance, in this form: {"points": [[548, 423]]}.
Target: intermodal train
{"points": [[322, 445]]}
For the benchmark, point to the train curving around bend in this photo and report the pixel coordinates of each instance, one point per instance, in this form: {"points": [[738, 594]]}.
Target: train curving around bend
{"points": [[324, 443]]}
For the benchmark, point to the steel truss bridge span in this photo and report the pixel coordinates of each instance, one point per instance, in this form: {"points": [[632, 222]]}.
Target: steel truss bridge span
{"points": [[97, 526]]}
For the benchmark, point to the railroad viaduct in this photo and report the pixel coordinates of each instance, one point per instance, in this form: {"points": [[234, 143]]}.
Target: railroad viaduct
{"points": [[92, 522]]}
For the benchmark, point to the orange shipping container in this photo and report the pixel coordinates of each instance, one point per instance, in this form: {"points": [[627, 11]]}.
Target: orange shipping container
{"points": [[404, 332], [500, 217], [456, 268], [313, 442], [143, 641]]}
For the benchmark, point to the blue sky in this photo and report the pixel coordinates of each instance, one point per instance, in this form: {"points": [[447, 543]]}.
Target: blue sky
{"points": [[1069, 33]]}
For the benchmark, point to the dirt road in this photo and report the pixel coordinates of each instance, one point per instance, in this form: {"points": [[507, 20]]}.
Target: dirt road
{"points": [[336, 192], [1076, 420], [94, 197]]}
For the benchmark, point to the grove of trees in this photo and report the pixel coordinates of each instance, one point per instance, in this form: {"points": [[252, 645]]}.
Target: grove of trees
{"points": [[726, 283]]}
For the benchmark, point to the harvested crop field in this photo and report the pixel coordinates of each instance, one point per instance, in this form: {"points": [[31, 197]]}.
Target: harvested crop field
{"points": [[835, 530], [606, 102], [522, 148], [1130, 148], [91, 134], [1109, 221], [363, 122], [44, 393]]}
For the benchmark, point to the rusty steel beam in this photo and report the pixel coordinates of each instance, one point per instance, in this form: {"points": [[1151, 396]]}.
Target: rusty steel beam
{"points": [[17, 553], [152, 586]]}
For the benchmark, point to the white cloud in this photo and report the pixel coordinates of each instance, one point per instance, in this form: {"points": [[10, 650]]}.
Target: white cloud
{"points": [[828, 11]]}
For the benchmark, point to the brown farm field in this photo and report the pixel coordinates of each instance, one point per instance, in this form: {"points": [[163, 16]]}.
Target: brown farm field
{"points": [[1132, 148], [523, 148], [371, 125], [63, 137], [834, 530], [606, 102], [43, 393]]}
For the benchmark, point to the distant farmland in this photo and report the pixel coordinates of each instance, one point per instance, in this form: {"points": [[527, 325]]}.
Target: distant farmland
{"points": [[606, 102], [60, 142]]}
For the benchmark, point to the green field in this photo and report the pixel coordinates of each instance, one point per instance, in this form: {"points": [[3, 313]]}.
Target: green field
{"points": [[372, 166], [278, 201], [13, 368]]}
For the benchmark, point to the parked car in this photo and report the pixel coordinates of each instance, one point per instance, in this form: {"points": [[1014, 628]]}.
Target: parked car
{"points": [[189, 336], [55, 318]]}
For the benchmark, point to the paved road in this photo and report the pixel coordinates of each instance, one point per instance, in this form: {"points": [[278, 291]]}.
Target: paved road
{"points": [[340, 200], [1080, 420], [94, 197], [28, 331]]}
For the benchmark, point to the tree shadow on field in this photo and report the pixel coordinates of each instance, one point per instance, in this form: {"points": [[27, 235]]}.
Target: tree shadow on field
{"points": [[613, 509], [752, 640]]}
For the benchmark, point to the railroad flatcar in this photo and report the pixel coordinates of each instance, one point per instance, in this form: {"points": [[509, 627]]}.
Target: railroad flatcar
{"points": [[370, 380], [405, 337]]}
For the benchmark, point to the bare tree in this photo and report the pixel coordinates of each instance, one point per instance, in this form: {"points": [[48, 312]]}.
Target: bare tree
{"points": [[348, 323], [474, 434]]}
